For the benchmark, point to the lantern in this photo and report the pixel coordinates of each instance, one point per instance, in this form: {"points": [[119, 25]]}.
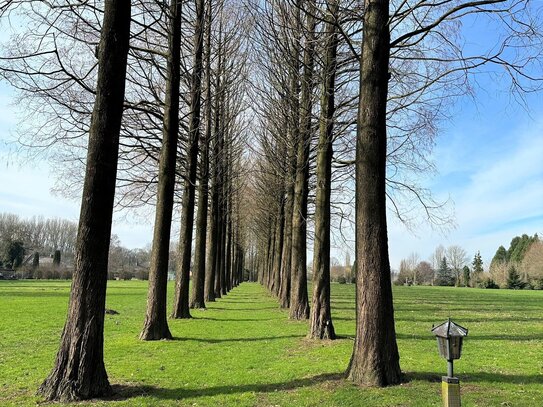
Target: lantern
{"points": [[449, 343]]}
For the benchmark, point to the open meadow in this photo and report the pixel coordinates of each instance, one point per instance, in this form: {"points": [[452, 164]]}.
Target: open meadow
{"points": [[242, 350]]}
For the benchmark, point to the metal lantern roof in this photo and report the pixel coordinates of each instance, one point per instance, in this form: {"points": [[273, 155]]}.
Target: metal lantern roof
{"points": [[449, 329]]}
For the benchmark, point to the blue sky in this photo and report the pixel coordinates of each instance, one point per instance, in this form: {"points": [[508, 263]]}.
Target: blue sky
{"points": [[489, 162], [488, 158]]}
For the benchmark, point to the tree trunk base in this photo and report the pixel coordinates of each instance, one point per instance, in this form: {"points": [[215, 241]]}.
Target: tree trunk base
{"points": [[284, 302], [65, 385], [322, 329], [198, 304], [183, 314], [299, 313], [155, 332], [373, 375]]}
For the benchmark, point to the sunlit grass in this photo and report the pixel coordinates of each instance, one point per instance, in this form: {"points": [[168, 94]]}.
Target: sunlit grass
{"points": [[243, 351]]}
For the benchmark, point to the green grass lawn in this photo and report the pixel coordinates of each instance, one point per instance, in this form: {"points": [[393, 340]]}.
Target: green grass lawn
{"points": [[243, 351]]}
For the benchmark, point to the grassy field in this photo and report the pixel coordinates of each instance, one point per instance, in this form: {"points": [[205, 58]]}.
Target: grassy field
{"points": [[242, 350]]}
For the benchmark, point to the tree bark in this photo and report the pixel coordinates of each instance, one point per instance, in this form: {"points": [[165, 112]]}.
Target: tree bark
{"points": [[224, 200], [278, 248], [299, 303], [219, 134], [181, 307], [198, 274], [321, 326], [155, 326], [375, 358], [79, 372], [284, 295]]}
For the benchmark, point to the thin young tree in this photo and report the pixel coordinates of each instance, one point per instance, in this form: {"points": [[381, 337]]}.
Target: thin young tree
{"points": [[79, 371]]}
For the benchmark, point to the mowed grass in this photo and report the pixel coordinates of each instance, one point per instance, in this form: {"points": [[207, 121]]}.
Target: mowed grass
{"points": [[243, 351]]}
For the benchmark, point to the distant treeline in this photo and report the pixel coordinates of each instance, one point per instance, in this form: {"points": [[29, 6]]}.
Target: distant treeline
{"points": [[43, 248], [23, 237], [521, 265]]}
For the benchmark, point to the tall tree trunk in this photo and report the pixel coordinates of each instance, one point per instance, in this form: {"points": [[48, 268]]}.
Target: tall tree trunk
{"points": [[218, 175], [181, 304], [284, 295], [224, 199], [321, 326], [220, 254], [79, 371], [211, 254], [292, 142], [155, 326], [198, 274], [198, 285], [221, 168], [268, 253], [375, 358], [279, 232], [299, 303]]}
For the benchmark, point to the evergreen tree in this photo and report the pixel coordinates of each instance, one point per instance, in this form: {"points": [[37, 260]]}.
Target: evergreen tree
{"points": [[501, 256], [516, 241], [477, 267], [444, 274], [56, 258], [514, 281], [466, 272], [522, 245], [12, 253]]}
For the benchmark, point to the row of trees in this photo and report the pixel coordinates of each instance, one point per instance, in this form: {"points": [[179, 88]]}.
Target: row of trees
{"points": [[337, 96], [330, 109], [182, 130]]}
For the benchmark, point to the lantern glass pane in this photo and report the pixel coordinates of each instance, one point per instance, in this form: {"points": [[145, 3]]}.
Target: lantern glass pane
{"points": [[442, 347], [456, 347]]}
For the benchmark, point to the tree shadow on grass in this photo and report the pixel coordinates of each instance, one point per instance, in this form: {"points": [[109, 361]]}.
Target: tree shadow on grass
{"points": [[211, 308], [415, 318], [478, 377], [490, 337], [334, 318], [250, 339], [128, 391], [278, 318]]}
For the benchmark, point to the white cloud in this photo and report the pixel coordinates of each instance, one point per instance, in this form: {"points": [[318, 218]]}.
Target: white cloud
{"points": [[500, 198]]}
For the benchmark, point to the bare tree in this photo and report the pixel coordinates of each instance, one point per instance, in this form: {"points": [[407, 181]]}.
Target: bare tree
{"points": [[155, 326], [321, 319], [299, 303], [198, 286], [457, 258], [79, 371], [181, 307], [375, 358]]}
